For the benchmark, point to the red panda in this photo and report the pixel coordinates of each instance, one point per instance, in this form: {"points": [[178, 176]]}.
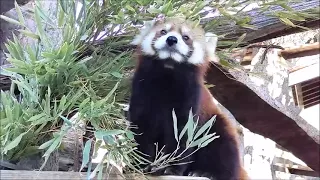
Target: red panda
{"points": [[173, 56]]}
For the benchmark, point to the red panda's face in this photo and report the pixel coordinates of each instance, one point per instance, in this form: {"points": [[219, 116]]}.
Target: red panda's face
{"points": [[175, 39]]}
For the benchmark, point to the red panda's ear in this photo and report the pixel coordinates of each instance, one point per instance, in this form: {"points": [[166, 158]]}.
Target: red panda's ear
{"points": [[148, 25], [211, 45]]}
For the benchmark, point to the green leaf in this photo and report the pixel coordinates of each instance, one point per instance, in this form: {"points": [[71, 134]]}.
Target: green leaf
{"points": [[175, 126], [17, 62], [99, 103], [10, 20], [31, 54], [46, 144], [52, 147], [86, 154], [20, 16], [23, 85], [40, 27], [200, 141], [84, 102], [206, 126], [190, 126], [64, 5], [61, 16], [130, 8], [287, 22], [62, 103], [116, 74], [239, 41], [13, 143], [9, 73], [29, 34], [36, 117], [100, 133], [66, 120], [205, 143]]}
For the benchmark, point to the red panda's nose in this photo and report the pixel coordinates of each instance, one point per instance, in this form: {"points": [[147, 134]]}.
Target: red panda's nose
{"points": [[171, 40]]}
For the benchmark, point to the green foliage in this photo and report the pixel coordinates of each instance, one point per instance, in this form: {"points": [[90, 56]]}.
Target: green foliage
{"points": [[198, 139], [78, 63]]}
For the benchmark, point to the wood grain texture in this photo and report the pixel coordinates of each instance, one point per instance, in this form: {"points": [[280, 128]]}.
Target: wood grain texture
{"points": [[52, 175], [268, 26]]}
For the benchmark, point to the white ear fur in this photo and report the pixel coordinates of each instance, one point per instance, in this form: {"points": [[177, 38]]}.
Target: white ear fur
{"points": [[211, 45], [148, 25]]}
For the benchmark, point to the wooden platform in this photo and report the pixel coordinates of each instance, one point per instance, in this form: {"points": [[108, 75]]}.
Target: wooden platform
{"points": [[26, 175]]}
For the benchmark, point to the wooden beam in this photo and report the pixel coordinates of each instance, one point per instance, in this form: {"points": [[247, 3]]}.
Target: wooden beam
{"points": [[304, 74], [300, 51], [55, 175], [256, 114], [303, 172], [268, 27]]}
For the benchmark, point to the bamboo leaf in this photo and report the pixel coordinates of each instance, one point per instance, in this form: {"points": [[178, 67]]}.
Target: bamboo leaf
{"points": [[20, 16], [86, 154], [100, 133], [40, 27], [62, 103], [287, 22], [52, 147], [10, 20], [36, 117], [206, 126], [190, 126], [116, 74], [64, 5], [239, 41], [13, 143], [29, 34], [66, 120], [46, 144], [205, 143], [175, 125]]}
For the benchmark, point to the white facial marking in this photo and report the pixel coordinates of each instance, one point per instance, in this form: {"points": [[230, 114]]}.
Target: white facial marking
{"points": [[146, 45], [197, 56], [177, 57], [164, 54], [181, 46]]}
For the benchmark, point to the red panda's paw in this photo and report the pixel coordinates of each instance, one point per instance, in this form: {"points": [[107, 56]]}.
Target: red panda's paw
{"points": [[174, 170], [171, 170], [153, 170], [200, 174]]}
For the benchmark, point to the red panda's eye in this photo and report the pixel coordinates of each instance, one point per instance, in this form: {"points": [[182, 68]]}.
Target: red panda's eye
{"points": [[163, 32], [185, 37]]}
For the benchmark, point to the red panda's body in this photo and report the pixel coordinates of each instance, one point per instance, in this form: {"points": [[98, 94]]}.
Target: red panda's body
{"points": [[172, 61]]}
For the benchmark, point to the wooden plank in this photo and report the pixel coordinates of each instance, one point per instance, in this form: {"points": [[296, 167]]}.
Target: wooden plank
{"points": [[312, 104], [268, 26], [303, 172], [315, 80], [299, 96], [304, 74], [52, 175], [300, 51]]}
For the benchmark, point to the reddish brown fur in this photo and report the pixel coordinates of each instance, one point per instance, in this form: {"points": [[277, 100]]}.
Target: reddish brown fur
{"points": [[209, 109]]}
